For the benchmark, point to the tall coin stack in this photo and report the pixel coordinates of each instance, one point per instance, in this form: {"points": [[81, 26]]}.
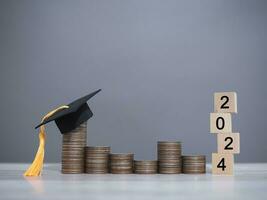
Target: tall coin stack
{"points": [[169, 157], [145, 166], [97, 159], [73, 144], [194, 164], [121, 163]]}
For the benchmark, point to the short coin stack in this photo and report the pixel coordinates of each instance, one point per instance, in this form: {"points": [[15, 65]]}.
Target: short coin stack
{"points": [[194, 164], [73, 144], [145, 166], [97, 159], [121, 163], [169, 157]]}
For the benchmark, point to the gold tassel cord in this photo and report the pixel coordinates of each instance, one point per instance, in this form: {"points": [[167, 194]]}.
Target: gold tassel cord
{"points": [[37, 164]]}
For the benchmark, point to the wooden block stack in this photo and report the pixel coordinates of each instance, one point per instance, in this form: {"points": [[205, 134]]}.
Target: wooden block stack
{"points": [[228, 143]]}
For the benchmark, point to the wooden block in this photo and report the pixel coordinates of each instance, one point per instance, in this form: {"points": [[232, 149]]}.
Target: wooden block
{"points": [[225, 102], [222, 163], [220, 123], [228, 143]]}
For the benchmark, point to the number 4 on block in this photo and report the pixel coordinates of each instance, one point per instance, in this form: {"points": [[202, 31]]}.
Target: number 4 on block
{"points": [[222, 164], [225, 102]]}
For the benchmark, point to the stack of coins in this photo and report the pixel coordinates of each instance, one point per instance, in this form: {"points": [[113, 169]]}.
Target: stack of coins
{"points": [[97, 159], [121, 163], [169, 157], [145, 166], [194, 164], [73, 150]]}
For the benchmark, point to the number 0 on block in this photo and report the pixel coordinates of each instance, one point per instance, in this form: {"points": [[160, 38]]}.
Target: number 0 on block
{"points": [[222, 163], [220, 123]]}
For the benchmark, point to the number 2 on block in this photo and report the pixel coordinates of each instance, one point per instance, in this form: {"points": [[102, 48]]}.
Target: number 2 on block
{"points": [[228, 147], [225, 102], [228, 143]]}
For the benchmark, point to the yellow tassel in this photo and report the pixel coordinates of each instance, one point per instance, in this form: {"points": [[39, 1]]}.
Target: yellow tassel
{"points": [[37, 164]]}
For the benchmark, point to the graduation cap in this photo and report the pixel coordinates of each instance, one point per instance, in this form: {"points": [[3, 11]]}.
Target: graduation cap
{"points": [[77, 113], [67, 119]]}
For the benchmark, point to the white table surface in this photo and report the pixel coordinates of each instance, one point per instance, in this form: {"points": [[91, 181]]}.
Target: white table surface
{"points": [[249, 182]]}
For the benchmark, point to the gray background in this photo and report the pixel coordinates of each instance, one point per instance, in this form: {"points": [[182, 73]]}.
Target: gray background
{"points": [[158, 63]]}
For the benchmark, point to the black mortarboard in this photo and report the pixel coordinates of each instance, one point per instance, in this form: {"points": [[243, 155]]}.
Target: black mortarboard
{"points": [[69, 118]]}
